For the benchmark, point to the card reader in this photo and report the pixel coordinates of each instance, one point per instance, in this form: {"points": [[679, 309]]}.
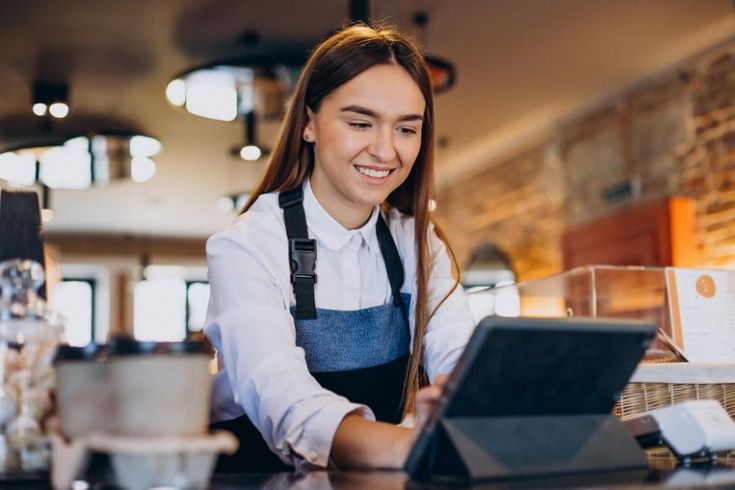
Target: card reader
{"points": [[695, 429]]}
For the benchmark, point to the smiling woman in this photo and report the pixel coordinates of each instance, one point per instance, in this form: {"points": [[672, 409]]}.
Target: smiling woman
{"points": [[313, 372], [366, 136]]}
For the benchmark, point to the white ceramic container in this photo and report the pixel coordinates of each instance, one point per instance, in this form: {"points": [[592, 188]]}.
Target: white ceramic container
{"points": [[159, 389], [82, 393]]}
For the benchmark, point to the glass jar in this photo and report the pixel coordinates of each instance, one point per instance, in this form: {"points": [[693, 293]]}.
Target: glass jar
{"points": [[29, 334]]}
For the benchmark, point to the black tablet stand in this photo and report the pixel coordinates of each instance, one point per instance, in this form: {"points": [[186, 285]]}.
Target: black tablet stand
{"points": [[472, 449]]}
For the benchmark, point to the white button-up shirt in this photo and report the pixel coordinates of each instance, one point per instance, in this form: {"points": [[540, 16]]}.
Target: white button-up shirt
{"points": [[263, 373]]}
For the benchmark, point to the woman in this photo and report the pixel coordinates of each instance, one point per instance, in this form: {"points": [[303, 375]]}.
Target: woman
{"points": [[333, 271]]}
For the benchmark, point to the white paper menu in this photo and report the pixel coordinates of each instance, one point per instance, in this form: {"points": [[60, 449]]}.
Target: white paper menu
{"points": [[702, 312]]}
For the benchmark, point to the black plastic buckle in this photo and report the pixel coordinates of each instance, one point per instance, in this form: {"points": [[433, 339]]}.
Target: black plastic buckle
{"points": [[291, 198], [302, 252]]}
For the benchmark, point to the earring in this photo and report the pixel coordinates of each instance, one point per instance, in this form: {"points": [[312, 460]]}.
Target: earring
{"points": [[307, 137]]}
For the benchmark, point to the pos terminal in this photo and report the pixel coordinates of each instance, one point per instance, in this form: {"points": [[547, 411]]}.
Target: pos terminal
{"points": [[532, 397]]}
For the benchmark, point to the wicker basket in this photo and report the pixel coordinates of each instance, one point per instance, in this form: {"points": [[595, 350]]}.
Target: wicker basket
{"points": [[663, 384]]}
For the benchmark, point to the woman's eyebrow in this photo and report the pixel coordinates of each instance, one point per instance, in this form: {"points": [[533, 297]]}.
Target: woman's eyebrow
{"points": [[370, 113]]}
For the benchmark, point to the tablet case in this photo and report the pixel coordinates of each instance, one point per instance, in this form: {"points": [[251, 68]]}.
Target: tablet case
{"points": [[532, 397]]}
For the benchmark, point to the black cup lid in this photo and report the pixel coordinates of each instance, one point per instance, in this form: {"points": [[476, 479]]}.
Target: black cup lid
{"points": [[126, 346], [89, 352]]}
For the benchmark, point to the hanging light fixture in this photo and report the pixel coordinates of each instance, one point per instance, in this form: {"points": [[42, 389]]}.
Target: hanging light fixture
{"points": [[50, 98], [250, 89], [441, 71], [251, 151], [229, 89], [80, 162]]}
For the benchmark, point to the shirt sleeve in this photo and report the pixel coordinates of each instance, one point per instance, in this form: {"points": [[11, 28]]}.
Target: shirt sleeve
{"points": [[253, 332], [451, 326]]}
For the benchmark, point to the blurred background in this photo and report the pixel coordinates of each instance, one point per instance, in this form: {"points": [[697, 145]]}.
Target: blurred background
{"points": [[569, 132]]}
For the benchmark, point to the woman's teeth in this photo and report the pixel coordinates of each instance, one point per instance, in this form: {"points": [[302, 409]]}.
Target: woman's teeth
{"points": [[378, 174]]}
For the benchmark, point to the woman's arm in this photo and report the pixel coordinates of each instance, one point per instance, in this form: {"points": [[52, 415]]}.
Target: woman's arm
{"points": [[363, 444], [452, 324], [253, 332]]}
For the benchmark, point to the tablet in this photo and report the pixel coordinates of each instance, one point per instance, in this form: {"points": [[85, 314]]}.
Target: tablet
{"points": [[538, 367]]}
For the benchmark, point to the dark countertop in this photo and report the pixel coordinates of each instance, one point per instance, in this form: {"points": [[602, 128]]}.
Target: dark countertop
{"points": [[721, 475], [706, 477]]}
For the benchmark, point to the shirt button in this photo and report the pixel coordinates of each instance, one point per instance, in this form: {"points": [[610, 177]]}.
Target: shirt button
{"points": [[312, 456], [354, 242]]}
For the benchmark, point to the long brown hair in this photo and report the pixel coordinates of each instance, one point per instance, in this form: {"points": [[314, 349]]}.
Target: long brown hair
{"points": [[334, 62]]}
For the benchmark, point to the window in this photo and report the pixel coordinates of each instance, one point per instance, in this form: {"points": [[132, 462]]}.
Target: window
{"points": [[197, 298], [75, 300], [159, 309], [170, 304]]}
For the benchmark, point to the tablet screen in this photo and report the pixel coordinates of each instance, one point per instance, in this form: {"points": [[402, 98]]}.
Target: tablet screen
{"points": [[517, 367]]}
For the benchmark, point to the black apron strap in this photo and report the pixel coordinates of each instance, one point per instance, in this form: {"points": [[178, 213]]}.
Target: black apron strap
{"points": [[301, 252], [393, 264], [302, 256], [394, 268]]}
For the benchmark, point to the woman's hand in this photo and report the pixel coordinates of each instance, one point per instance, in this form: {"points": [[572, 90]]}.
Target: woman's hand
{"points": [[426, 400]]}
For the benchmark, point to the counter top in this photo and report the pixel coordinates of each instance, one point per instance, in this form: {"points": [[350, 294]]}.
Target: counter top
{"points": [[721, 475], [704, 477]]}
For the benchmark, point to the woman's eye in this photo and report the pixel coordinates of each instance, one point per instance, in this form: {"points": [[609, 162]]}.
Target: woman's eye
{"points": [[359, 125], [407, 130]]}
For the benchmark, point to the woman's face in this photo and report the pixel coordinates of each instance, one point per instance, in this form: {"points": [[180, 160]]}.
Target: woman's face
{"points": [[366, 134]]}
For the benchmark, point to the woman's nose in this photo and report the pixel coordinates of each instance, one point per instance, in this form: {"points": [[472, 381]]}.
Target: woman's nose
{"points": [[382, 147]]}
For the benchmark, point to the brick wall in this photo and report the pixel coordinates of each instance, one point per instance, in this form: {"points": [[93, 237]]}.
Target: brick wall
{"points": [[671, 136]]}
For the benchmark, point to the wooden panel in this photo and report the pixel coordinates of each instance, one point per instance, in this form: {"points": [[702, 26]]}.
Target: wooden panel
{"points": [[657, 234], [99, 244]]}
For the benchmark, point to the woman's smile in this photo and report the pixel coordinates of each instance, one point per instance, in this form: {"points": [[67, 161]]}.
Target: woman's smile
{"points": [[374, 175]]}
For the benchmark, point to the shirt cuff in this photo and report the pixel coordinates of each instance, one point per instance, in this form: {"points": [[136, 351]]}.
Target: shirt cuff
{"points": [[319, 433]]}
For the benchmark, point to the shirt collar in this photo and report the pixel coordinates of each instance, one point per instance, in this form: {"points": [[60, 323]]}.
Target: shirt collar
{"points": [[329, 231]]}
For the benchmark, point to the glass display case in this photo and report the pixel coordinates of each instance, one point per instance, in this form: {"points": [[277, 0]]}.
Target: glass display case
{"points": [[591, 291]]}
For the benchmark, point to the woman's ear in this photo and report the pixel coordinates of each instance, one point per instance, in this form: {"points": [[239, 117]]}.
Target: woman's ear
{"points": [[309, 132]]}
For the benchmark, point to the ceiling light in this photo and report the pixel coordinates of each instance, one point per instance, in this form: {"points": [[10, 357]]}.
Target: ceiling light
{"points": [[143, 169], [250, 152], [39, 109], [59, 110], [176, 92], [212, 93], [144, 146]]}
